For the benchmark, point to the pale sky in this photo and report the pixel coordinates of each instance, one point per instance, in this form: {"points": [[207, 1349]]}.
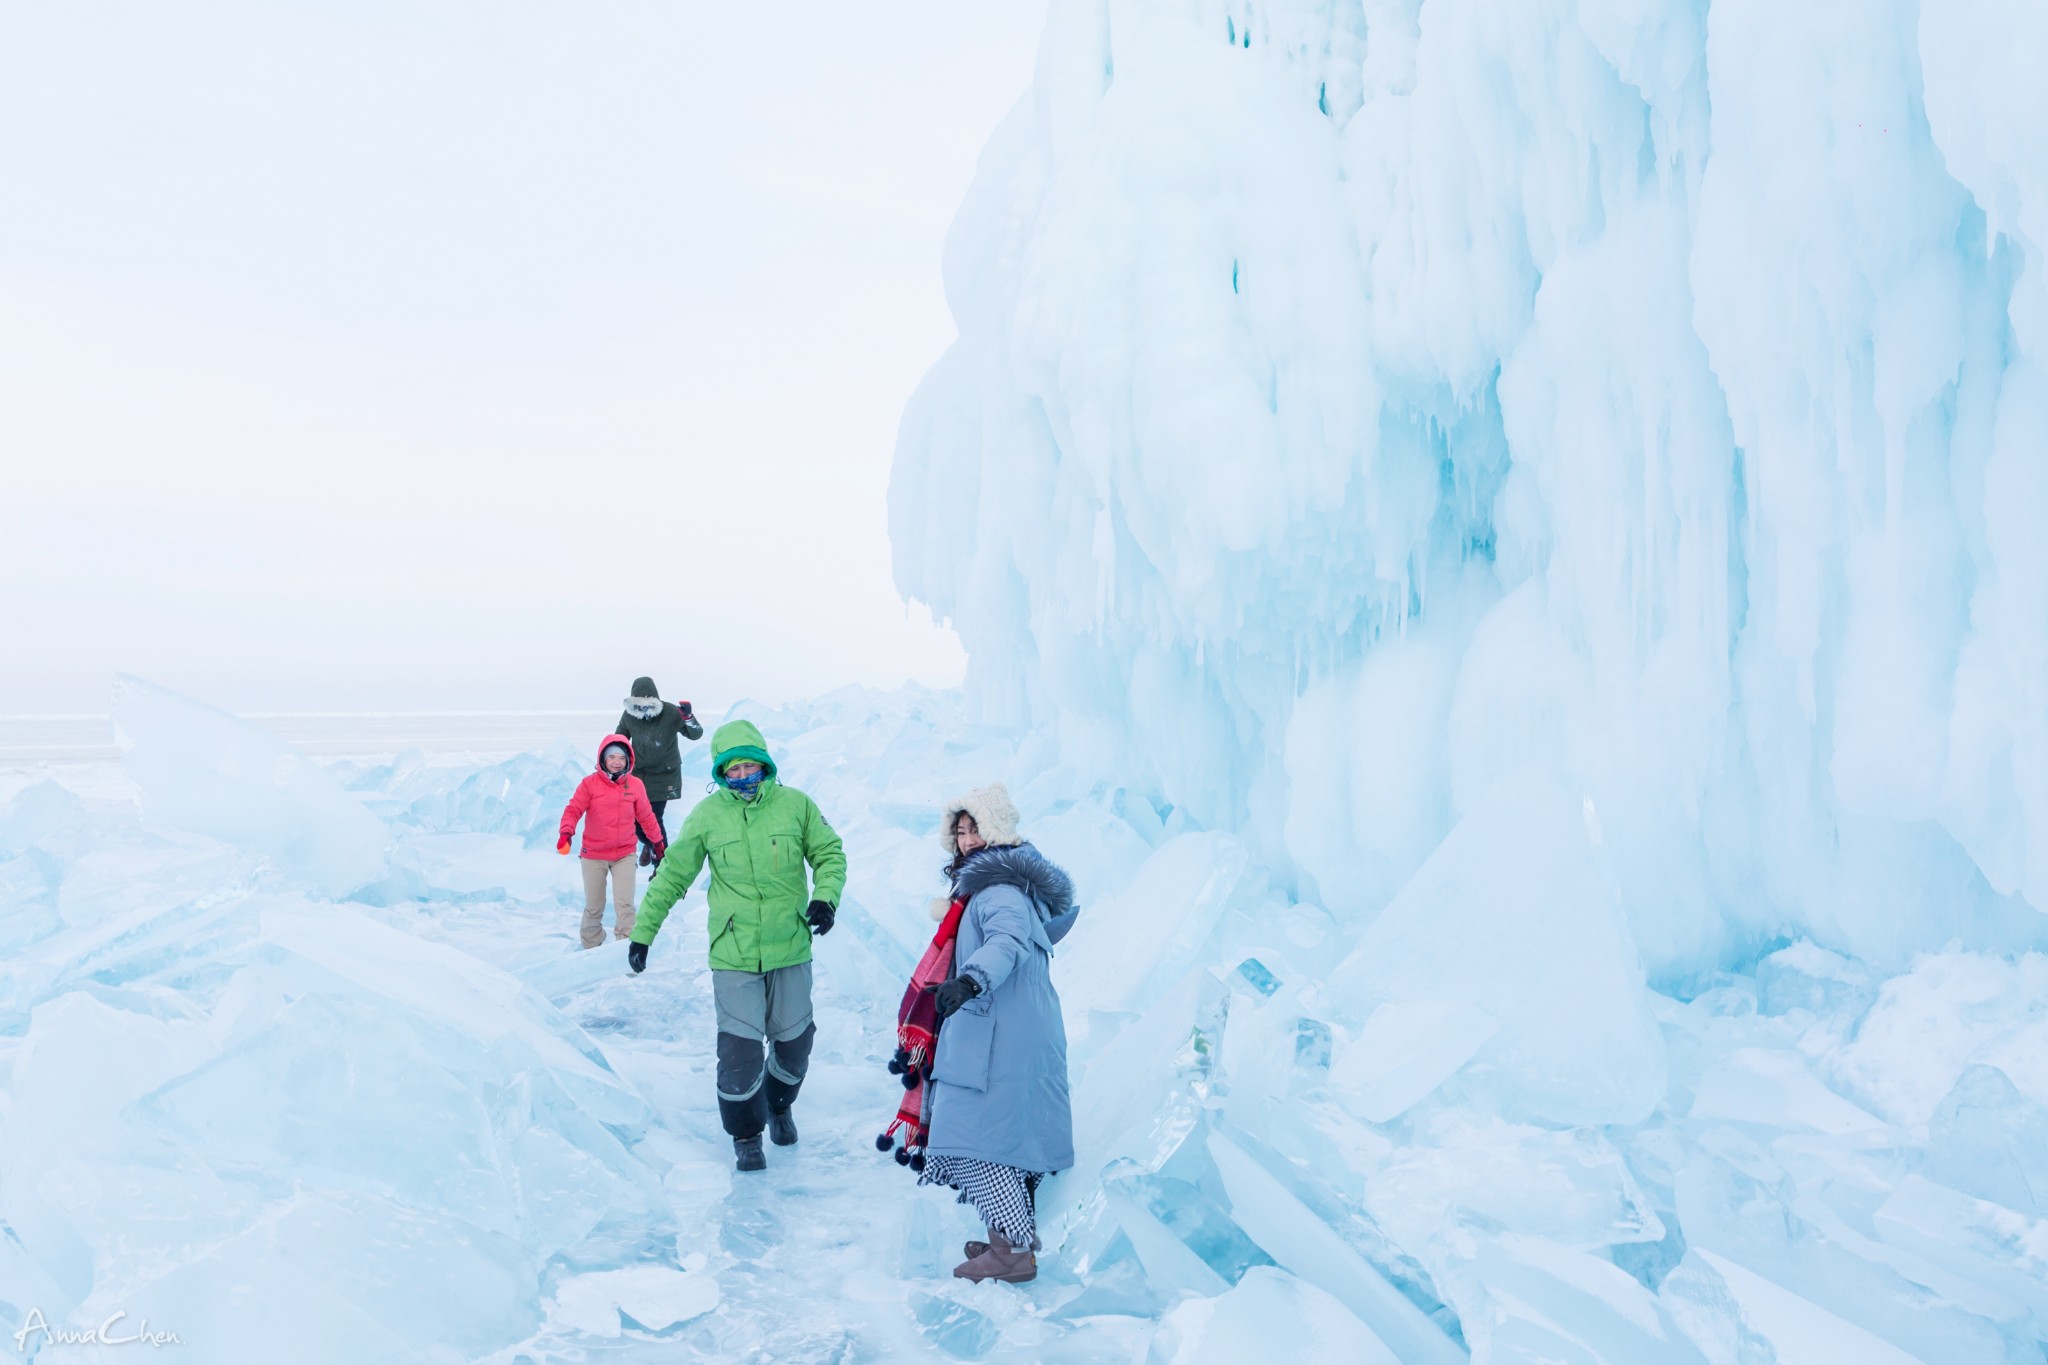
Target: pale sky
{"points": [[484, 355]]}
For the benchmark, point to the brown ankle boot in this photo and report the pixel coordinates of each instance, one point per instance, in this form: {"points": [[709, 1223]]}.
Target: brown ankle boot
{"points": [[974, 1249], [999, 1261]]}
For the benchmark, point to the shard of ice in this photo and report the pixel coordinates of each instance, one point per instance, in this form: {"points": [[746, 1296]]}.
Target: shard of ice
{"points": [[1268, 1315], [1302, 1240], [1516, 916], [204, 770]]}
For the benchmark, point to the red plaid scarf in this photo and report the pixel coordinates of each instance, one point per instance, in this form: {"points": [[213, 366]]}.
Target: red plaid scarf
{"points": [[917, 1037]]}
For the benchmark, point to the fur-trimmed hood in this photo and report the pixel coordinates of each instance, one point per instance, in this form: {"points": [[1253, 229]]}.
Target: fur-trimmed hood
{"points": [[645, 703], [1024, 867], [995, 815]]}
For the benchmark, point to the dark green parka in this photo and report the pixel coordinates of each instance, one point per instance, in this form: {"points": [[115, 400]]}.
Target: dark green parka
{"points": [[657, 729]]}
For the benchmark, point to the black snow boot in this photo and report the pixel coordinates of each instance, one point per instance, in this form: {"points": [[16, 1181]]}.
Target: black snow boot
{"points": [[743, 1118], [747, 1154], [781, 1127]]}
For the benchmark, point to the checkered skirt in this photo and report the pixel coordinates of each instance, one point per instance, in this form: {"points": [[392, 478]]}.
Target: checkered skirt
{"points": [[1004, 1196]]}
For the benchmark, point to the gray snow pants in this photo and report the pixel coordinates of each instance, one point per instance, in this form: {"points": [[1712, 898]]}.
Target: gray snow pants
{"points": [[757, 1008]]}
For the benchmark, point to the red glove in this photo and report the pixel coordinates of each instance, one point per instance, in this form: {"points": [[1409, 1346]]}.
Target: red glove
{"points": [[660, 852], [563, 847], [683, 707]]}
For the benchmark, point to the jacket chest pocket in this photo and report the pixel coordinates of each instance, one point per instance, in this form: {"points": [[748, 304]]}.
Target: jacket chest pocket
{"points": [[730, 858], [784, 850]]}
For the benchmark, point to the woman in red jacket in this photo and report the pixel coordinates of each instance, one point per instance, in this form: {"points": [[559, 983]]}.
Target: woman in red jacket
{"points": [[610, 802]]}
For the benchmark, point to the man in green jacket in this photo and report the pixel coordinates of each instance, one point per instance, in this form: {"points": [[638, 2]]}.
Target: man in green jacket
{"points": [[758, 836]]}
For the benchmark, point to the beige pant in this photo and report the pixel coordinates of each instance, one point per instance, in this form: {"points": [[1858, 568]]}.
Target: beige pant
{"points": [[594, 873]]}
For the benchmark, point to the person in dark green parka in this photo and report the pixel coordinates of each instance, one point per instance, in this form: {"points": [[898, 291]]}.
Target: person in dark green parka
{"points": [[760, 838], [657, 729]]}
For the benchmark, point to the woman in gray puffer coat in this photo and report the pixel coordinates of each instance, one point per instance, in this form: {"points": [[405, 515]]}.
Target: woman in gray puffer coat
{"points": [[1000, 1117]]}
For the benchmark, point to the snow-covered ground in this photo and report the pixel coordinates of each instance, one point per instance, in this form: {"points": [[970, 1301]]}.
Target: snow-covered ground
{"points": [[409, 1120]]}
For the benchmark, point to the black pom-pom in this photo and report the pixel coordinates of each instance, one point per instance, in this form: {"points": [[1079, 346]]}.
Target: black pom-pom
{"points": [[895, 1067], [910, 1080], [902, 1156], [883, 1142], [917, 1163]]}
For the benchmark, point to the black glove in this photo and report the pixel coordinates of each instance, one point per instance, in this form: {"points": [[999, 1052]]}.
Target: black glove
{"points": [[951, 995], [636, 956], [820, 917]]}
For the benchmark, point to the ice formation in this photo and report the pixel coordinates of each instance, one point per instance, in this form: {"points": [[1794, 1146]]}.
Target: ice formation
{"points": [[1548, 493], [198, 769], [1355, 404]]}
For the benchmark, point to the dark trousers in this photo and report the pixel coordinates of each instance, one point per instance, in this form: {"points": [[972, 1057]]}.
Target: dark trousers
{"points": [[752, 1085], [660, 808]]}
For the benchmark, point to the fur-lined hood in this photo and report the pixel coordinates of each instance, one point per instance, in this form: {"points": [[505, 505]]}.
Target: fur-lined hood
{"points": [[995, 815], [645, 703], [1024, 867]]}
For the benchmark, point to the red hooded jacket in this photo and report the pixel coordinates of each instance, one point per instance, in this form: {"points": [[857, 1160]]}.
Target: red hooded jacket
{"points": [[609, 807]]}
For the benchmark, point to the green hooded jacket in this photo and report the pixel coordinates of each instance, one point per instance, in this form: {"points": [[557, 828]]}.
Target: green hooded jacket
{"points": [[758, 851]]}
